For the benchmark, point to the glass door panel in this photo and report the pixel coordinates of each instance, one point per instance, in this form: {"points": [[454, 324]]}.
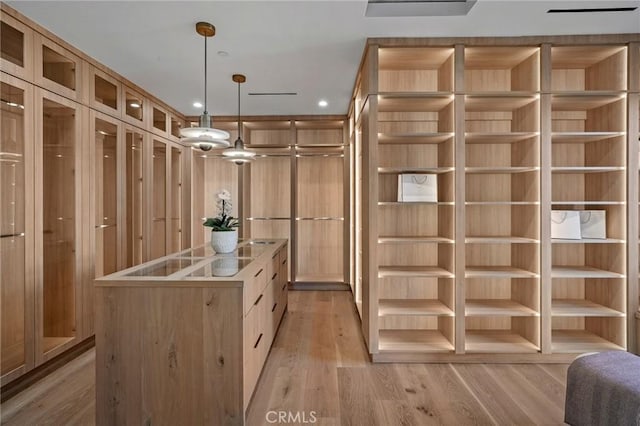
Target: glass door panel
{"points": [[176, 200], [12, 229], [59, 239], [106, 200], [159, 204], [133, 191]]}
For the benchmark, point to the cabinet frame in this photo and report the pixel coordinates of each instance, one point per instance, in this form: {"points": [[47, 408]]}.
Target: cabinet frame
{"points": [[40, 42], [27, 71]]}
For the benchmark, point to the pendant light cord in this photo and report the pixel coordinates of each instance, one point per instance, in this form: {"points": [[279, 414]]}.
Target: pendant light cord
{"points": [[205, 75], [239, 124]]}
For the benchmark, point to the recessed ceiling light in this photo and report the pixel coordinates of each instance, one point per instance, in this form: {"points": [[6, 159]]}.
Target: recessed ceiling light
{"points": [[223, 53], [197, 104], [134, 105], [323, 104]]}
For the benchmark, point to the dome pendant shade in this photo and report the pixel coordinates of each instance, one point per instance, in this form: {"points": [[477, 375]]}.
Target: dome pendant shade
{"points": [[205, 137], [238, 154]]}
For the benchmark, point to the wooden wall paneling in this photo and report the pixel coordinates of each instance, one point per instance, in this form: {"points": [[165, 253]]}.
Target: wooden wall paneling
{"points": [[546, 282], [57, 69], [346, 200], [21, 133], [293, 204], [17, 46], [59, 272], [460, 197]]}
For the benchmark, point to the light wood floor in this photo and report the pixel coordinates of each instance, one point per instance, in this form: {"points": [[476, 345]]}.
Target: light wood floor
{"points": [[318, 369]]}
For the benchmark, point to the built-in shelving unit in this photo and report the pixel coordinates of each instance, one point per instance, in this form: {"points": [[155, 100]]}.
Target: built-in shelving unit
{"points": [[511, 132], [415, 124], [588, 172]]}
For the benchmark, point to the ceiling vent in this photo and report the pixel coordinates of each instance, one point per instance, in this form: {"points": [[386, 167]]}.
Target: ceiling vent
{"points": [[593, 10], [272, 94], [393, 8]]}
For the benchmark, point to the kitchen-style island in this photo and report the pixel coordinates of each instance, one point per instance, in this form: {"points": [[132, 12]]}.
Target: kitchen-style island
{"points": [[183, 339]]}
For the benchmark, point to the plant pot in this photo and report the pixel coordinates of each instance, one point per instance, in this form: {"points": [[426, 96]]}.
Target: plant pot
{"points": [[225, 266], [224, 241]]}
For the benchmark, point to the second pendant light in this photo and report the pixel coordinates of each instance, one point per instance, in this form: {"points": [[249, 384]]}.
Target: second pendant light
{"points": [[238, 154]]}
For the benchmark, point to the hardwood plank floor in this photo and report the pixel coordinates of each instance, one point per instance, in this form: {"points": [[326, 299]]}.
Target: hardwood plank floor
{"points": [[318, 370]]}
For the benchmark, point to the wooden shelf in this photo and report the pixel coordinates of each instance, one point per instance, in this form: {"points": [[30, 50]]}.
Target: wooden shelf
{"points": [[429, 307], [497, 307], [50, 343], [588, 203], [581, 308], [404, 203], [414, 138], [582, 272], [497, 272], [497, 341], [413, 341], [568, 170], [482, 103], [410, 102], [498, 138], [436, 170], [500, 240], [500, 170], [413, 271], [502, 203], [587, 241], [583, 137], [580, 341], [412, 240], [577, 102]]}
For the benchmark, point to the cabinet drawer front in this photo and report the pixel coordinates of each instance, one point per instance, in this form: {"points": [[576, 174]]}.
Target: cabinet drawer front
{"points": [[253, 289]]}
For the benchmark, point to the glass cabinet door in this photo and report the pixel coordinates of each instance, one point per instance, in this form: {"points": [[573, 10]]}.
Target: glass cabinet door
{"points": [[15, 346], [59, 121], [159, 201], [177, 242], [133, 189], [106, 197]]}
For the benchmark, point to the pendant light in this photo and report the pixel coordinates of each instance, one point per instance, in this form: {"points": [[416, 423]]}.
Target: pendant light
{"points": [[205, 137], [238, 154]]}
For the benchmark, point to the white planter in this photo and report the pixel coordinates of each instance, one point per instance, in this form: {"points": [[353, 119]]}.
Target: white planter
{"points": [[225, 266], [224, 241]]}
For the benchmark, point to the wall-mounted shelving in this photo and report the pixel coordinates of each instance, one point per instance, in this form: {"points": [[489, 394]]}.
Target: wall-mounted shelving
{"points": [[511, 132]]}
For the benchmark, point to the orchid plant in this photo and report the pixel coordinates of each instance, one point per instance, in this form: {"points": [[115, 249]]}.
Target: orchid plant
{"points": [[224, 221]]}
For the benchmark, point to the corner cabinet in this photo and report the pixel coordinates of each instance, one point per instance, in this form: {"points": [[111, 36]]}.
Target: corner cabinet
{"points": [[510, 132]]}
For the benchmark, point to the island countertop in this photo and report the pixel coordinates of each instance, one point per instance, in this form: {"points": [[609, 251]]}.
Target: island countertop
{"points": [[199, 267]]}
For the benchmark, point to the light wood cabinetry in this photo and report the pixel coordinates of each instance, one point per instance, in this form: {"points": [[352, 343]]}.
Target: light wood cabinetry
{"points": [[294, 189], [512, 132], [212, 317], [77, 189], [17, 233]]}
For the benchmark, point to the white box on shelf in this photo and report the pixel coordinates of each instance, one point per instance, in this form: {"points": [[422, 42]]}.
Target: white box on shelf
{"points": [[418, 187], [593, 224], [565, 224]]}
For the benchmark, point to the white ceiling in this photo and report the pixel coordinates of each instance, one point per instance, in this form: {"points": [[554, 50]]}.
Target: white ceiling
{"points": [[309, 47]]}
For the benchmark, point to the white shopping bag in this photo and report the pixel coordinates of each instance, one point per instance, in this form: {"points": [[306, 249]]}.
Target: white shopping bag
{"points": [[565, 224], [418, 187], [593, 224]]}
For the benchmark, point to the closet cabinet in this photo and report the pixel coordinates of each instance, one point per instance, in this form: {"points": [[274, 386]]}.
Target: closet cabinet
{"points": [[511, 133], [17, 233]]}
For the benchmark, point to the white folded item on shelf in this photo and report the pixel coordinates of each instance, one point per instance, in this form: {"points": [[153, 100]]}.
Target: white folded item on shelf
{"points": [[417, 187]]}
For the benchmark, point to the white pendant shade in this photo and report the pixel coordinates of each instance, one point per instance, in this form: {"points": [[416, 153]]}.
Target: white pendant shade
{"points": [[208, 132]]}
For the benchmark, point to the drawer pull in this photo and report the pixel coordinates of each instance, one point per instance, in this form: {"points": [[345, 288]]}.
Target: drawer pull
{"points": [[274, 276], [259, 272], [274, 307], [258, 341], [258, 300], [284, 286], [284, 262], [274, 255]]}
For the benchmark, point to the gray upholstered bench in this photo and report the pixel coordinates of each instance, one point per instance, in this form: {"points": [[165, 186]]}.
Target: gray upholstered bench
{"points": [[603, 389]]}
